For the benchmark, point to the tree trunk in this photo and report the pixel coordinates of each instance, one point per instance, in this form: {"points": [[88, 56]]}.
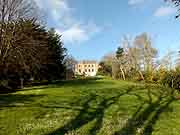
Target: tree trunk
{"points": [[124, 78], [22, 83], [142, 77]]}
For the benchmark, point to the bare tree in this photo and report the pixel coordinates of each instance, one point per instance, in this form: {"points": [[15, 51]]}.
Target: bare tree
{"points": [[146, 52], [109, 58], [17, 9], [121, 61], [24, 46], [138, 55], [13, 10], [70, 62], [132, 57], [106, 64], [167, 60], [178, 59]]}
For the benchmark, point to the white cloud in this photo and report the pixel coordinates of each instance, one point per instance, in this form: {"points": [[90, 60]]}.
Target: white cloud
{"points": [[79, 32], [72, 30], [135, 2], [164, 11], [75, 34], [55, 9]]}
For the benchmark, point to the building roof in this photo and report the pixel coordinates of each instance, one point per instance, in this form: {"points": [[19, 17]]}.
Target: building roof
{"points": [[87, 62]]}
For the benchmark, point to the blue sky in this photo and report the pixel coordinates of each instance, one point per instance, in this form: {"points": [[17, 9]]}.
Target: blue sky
{"points": [[92, 28]]}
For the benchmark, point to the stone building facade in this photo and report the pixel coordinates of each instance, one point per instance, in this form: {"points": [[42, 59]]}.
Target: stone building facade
{"points": [[87, 68]]}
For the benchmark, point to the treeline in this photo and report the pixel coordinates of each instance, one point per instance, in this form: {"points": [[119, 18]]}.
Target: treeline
{"points": [[138, 60], [28, 50]]}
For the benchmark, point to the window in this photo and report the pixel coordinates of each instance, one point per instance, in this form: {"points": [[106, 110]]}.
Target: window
{"points": [[85, 65], [92, 65], [89, 65], [89, 70], [92, 70], [85, 70], [79, 70], [79, 65]]}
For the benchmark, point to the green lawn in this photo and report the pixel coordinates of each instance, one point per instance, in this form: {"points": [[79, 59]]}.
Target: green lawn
{"points": [[90, 107]]}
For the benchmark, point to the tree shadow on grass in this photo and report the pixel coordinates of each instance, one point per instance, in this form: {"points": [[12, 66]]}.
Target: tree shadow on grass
{"points": [[16, 100], [148, 129], [75, 82], [145, 117], [88, 114], [79, 120], [81, 82], [101, 110], [58, 83]]}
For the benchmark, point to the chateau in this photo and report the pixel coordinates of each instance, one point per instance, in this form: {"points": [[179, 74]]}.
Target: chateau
{"points": [[87, 68]]}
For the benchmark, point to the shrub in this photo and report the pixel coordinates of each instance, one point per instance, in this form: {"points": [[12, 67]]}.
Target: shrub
{"points": [[4, 87], [172, 79], [105, 69]]}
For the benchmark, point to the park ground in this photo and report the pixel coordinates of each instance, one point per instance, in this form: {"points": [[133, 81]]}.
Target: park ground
{"points": [[96, 106]]}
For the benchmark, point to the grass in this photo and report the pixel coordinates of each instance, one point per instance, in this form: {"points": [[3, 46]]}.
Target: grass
{"points": [[90, 107]]}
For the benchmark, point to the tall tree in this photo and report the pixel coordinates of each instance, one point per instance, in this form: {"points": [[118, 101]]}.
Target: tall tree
{"points": [[109, 58], [145, 50], [121, 61], [11, 10], [23, 48], [55, 67], [167, 60], [70, 62], [106, 64], [105, 69], [178, 60]]}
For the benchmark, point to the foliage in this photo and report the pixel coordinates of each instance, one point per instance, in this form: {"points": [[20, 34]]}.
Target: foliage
{"points": [[70, 62], [28, 50], [172, 79], [13, 10], [23, 42], [106, 64], [54, 69], [135, 59], [104, 69], [119, 63], [119, 52], [145, 52], [23, 48]]}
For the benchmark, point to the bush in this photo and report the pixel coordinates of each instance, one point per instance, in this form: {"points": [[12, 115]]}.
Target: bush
{"points": [[4, 87], [172, 79], [105, 69]]}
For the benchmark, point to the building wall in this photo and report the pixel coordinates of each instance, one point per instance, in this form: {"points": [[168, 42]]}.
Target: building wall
{"points": [[87, 68]]}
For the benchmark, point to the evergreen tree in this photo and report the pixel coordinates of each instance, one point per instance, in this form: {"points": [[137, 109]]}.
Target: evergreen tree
{"points": [[55, 68]]}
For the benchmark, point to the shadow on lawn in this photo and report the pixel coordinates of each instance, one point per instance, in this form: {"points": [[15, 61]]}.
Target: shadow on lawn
{"points": [[144, 118], [54, 84], [70, 83], [81, 82], [141, 122], [75, 82], [88, 114], [16, 100]]}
